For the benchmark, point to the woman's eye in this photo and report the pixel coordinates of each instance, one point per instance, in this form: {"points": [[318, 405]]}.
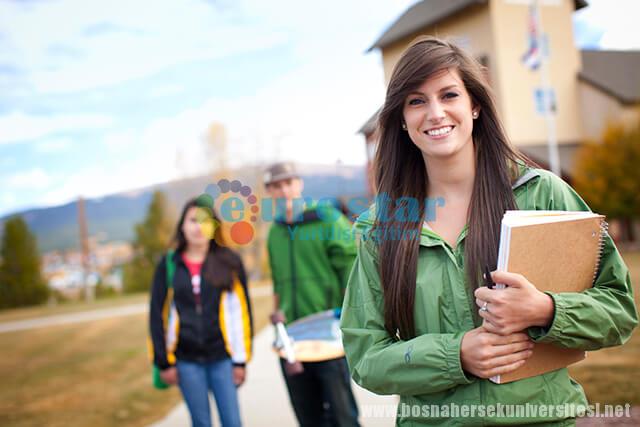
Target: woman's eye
{"points": [[415, 101], [450, 95]]}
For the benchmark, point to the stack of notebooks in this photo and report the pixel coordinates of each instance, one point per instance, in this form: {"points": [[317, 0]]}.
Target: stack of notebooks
{"points": [[557, 251]]}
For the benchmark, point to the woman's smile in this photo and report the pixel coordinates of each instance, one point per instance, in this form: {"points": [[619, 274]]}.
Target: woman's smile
{"points": [[440, 132]]}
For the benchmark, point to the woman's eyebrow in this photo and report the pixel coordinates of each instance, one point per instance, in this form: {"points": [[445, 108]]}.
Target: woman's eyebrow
{"points": [[417, 92], [448, 87]]}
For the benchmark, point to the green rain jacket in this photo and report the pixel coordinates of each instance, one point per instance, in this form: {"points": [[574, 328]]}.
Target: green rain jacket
{"points": [[426, 370], [310, 261]]}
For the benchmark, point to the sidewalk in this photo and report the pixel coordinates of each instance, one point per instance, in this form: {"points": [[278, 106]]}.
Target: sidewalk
{"points": [[263, 398], [66, 319]]}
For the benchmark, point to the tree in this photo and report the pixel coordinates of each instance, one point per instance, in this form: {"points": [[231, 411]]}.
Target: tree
{"points": [[21, 281], [153, 236], [608, 173]]}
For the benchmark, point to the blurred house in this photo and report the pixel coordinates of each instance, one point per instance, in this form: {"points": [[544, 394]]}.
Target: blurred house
{"points": [[590, 88], [64, 271]]}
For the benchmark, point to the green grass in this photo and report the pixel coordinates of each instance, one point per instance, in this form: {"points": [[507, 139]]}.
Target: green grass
{"points": [[97, 373], [612, 375], [94, 373]]}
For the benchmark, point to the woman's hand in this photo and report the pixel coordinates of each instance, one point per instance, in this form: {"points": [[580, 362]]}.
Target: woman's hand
{"points": [[485, 354], [515, 308], [169, 375], [239, 375]]}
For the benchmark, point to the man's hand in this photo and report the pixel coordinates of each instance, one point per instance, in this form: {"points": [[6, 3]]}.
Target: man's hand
{"points": [[278, 317]]}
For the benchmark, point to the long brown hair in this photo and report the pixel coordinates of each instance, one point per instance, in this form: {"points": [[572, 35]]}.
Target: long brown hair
{"points": [[400, 171], [221, 262]]}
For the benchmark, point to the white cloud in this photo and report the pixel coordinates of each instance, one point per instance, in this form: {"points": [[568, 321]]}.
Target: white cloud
{"points": [[8, 201], [617, 19], [119, 142], [33, 179], [135, 40], [97, 181], [53, 145], [309, 114], [166, 90], [18, 126]]}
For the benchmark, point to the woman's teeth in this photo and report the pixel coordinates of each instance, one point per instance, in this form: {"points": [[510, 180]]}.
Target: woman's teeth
{"points": [[441, 131]]}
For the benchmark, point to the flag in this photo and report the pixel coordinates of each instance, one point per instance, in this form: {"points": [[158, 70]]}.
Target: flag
{"points": [[532, 56]]}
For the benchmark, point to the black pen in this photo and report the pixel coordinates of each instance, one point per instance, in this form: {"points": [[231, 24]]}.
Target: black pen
{"points": [[488, 281]]}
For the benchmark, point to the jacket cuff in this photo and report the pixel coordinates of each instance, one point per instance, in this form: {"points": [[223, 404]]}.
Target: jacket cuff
{"points": [[163, 364], [454, 364], [558, 324]]}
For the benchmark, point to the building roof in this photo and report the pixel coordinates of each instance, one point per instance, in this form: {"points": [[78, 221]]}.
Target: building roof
{"points": [[429, 12], [540, 154], [613, 72], [370, 125]]}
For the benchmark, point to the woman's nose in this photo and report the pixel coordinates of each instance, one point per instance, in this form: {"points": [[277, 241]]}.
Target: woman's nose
{"points": [[435, 112]]}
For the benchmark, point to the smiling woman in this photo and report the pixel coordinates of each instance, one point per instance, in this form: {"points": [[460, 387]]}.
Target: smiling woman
{"points": [[201, 283], [409, 323], [438, 115]]}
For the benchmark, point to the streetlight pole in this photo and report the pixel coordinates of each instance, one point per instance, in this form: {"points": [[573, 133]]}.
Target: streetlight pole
{"points": [[549, 113]]}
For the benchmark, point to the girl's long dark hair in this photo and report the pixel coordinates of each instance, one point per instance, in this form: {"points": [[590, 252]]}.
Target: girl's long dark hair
{"points": [[221, 262], [400, 172]]}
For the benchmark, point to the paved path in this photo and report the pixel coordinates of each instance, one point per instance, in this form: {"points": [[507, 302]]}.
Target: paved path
{"points": [[87, 316], [264, 400], [64, 319]]}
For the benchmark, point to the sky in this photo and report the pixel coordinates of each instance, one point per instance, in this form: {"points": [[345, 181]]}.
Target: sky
{"points": [[100, 97]]}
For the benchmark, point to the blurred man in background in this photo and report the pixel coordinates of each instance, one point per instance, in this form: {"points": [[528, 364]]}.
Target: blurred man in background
{"points": [[311, 252]]}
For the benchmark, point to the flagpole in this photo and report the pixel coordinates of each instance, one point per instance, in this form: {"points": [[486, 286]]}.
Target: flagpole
{"points": [[549, 115]]}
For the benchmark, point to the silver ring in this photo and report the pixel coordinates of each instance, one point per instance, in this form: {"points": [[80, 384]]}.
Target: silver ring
{"points": [[484, 306]]}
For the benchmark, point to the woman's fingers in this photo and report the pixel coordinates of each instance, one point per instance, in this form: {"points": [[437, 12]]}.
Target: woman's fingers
{"points": [[170, 376], [509, 279], [510, 358], [501, 331], [511, 338], [507, 349], [505, 369]]}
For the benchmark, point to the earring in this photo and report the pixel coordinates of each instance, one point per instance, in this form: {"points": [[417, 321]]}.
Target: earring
{"points": [[404, 126], [475, 115]]}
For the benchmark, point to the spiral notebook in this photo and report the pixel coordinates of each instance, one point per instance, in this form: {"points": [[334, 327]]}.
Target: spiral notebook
{"points": [[557, 251]]}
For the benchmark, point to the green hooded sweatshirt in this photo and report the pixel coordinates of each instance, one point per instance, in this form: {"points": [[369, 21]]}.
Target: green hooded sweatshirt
{"points": [[426, 370], [310, 261]]}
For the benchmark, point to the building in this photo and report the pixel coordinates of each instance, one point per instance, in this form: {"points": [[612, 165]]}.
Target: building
{"points": [[589, 87]]}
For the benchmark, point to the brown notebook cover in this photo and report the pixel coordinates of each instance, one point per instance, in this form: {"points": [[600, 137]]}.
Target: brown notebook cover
{"points": [[558, 256]]}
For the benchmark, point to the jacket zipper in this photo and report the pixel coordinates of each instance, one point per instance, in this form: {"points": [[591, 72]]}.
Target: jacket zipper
{"points": [[198, 309], [293, 280]]}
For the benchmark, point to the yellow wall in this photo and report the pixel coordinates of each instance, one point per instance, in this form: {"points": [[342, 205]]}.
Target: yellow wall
{"points": [[499, 30], [517, 83], [472, 28], [598, 109]]}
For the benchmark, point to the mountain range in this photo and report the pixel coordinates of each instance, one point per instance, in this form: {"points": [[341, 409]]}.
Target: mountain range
{"points": [[113, 217]]}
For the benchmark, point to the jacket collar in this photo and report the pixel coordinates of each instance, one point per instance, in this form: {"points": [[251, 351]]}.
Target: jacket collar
{"points": [[429, 238], [527, 175], [310, 214]]}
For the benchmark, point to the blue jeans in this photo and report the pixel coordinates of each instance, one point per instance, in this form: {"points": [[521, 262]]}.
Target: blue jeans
{"points": [[321, 395], [196, 379]]}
